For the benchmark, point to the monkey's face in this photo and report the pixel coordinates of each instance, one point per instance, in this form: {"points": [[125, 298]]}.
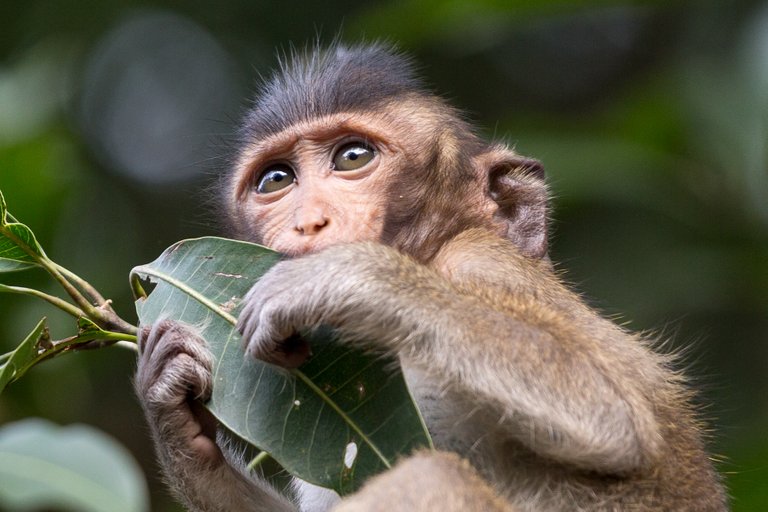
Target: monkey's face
{"points": [[318, 183]]}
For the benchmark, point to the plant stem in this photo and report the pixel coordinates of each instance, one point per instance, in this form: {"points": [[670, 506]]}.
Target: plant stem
{"points": [[52, 268], [133, 347], [138, 290], [257, 461], [82, 341], [95, 313], [101, 313], [117, 337], [84, 285], [59, 303], [97, 308]]}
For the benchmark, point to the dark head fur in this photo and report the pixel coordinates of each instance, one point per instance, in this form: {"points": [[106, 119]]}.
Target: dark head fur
{"points": [[318, 82]]}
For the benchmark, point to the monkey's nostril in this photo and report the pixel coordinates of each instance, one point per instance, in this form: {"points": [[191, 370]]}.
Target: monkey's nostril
{"points": [[312, 227]]}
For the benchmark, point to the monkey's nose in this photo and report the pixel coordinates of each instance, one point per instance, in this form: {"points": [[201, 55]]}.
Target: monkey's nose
{"points": [[311, 225]]}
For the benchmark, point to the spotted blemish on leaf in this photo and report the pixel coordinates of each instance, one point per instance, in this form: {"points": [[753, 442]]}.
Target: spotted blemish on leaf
{"points": [[350, 455], [230, 305], [233, 276]]}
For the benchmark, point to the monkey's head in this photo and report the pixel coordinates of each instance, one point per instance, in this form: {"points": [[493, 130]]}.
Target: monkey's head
{"points": [[347, 144]]}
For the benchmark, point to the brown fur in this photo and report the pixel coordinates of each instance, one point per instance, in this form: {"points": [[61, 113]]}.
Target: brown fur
{"points": [[427, 481], [434, 251]]}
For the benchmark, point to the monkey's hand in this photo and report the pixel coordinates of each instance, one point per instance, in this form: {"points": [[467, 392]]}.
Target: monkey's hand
{"points": [[172, 380], [351, 287]]}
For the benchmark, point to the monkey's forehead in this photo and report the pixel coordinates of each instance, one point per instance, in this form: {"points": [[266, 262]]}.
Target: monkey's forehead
{"points": [[320, 82], [400, 126]]}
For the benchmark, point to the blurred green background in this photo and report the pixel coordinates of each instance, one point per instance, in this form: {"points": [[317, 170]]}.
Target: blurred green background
{"points": [[650, 117]]}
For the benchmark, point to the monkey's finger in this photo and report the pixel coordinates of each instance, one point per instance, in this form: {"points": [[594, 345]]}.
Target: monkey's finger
{"points": [[288, 351], [273, 339], [260, 338], [150, 335], [143, 336], [175, 337], [167, 340], [183, 377]]}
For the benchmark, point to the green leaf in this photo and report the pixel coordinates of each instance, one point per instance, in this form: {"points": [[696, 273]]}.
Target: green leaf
{"points": [[38, 346], [18, 245], [24, 356], [339, 419], [87, 329], [75, 468]]}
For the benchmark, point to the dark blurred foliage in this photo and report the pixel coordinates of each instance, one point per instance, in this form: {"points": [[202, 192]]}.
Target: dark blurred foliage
{"points": [[651, 119]]}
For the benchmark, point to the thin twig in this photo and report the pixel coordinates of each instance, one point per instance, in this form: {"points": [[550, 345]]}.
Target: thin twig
{"points": [[56, 301], [257, 461], [82, 284], [132, 346]]}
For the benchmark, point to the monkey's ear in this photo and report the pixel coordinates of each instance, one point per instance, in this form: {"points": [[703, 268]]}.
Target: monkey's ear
{"points": [[516, 184]]}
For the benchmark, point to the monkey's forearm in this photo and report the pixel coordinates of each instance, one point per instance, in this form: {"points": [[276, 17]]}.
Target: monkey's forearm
{"points": [[208, 484], [224, 489], [571, 394]]}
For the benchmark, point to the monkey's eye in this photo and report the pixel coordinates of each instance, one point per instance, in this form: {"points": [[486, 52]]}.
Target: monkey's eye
{"points": [[352, 156], [275, 178]]}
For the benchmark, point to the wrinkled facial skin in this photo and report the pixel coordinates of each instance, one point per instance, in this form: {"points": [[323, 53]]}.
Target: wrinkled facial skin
{"points": [[324, 204]]}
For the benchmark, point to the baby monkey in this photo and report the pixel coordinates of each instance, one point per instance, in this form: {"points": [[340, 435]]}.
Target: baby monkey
{"points": [[411, 235]]}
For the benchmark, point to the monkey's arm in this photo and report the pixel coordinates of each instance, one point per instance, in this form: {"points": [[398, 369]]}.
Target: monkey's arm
{"points": [[561, 380], [172, 380]]}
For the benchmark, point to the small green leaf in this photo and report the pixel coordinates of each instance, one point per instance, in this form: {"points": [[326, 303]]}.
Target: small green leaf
{"points": [[18, 245], [38, 347], [43, 466], [339, 419], [25, 354], [86, 328]]}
